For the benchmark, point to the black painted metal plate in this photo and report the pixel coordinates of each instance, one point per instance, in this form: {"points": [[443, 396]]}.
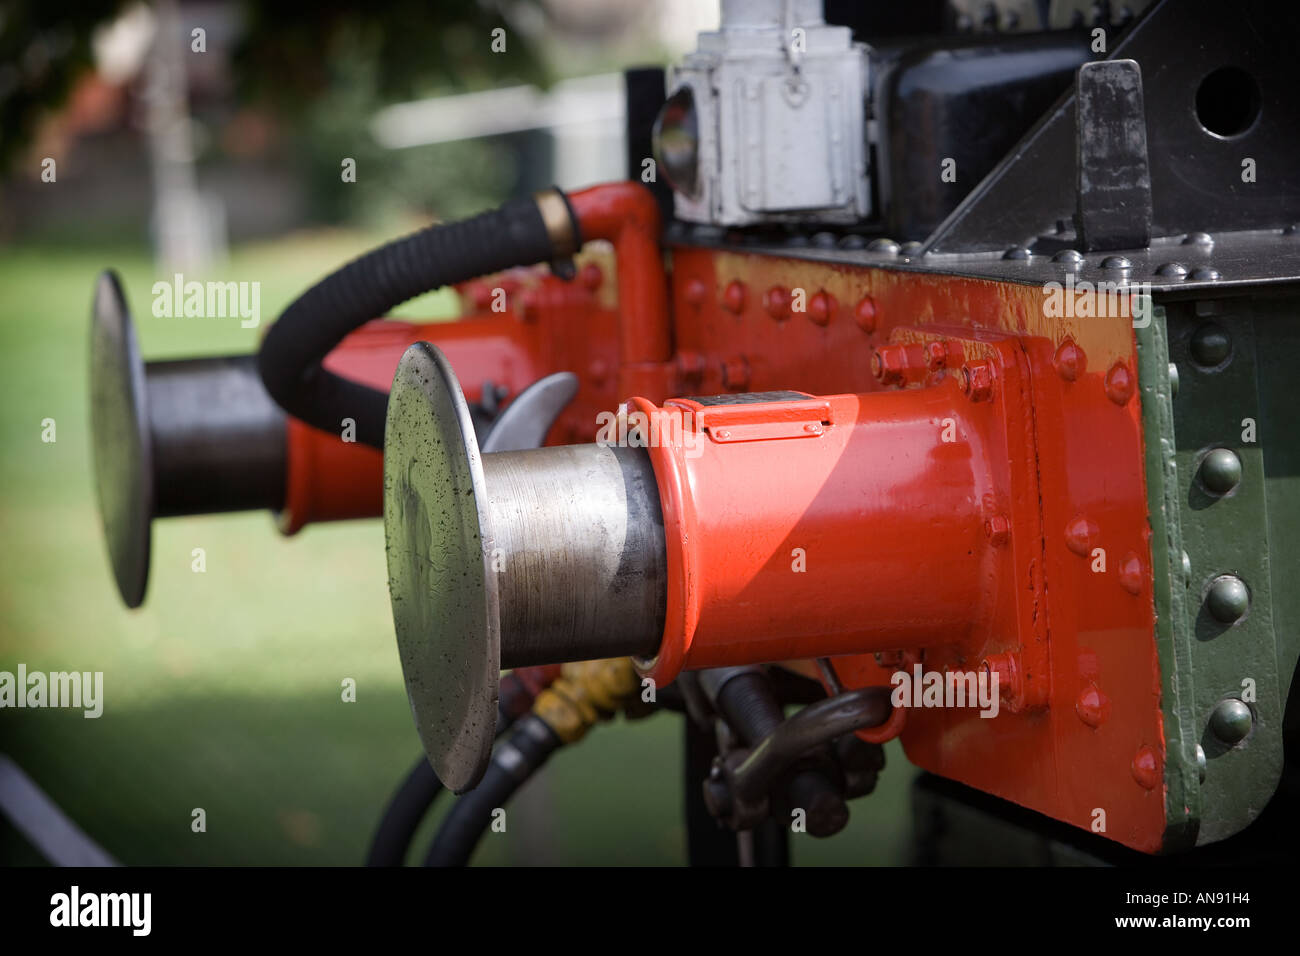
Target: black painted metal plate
{"points": [[119, 429]]}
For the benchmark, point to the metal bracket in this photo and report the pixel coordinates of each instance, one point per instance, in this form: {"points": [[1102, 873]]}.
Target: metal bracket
{"points": [[1114, 201]]}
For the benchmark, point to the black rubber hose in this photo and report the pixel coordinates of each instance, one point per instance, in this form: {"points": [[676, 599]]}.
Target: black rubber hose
{"points": [[421, 787], [530, 743], [405, 812], [368, 287]]}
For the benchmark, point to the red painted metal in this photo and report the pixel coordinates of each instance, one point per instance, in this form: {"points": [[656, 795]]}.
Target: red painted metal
{"points": [[1071, 630], [767, 508], [627, 215], [1021, 548]]}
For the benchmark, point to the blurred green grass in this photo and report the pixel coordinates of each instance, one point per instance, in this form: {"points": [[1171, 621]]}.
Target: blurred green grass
{"points": [[224, 690]]}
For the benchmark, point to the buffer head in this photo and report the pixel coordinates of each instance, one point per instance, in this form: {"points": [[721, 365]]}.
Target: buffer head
{"points": [[444, 596], [119, 427]]}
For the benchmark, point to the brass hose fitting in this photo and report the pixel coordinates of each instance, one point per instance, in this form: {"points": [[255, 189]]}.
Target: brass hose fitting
{"points": [[560, 221], [586, 693]]}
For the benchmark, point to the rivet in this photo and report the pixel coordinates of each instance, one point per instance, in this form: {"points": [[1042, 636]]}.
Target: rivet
{"points": [[1018, 253], [1211, 345], [733, 298], [1172, 270], [1187, 568], [1198, 239], [1092, 706], [1205, 274], [1119, 383], [1079, 535], [865, 314], [1173, 380], [1200, 762], [722, 434], [813, 428], [1146, 768], [887, 247], [1116, 262], [695, 293], [824, 240], [1131, 574], [777, 302], [1070, 361], [1069, 257], [851, 241], [821, 308], [1231, 721], [1221, 471], [912, 248], [1228, 599]]}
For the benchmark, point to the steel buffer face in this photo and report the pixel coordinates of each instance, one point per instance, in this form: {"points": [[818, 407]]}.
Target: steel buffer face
{"points": [[444, 595]]}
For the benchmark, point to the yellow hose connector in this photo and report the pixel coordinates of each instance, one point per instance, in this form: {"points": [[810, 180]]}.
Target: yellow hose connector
{"points": [[586, 693]]}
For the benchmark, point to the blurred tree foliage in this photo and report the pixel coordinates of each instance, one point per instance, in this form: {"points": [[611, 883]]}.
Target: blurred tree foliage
{"points": [[322, 69], [328, 67], [413, 47], [43, 47]]}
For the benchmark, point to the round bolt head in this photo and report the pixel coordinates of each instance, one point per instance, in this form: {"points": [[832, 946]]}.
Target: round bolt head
{"points": [[1211, 345], [1221, 471], [1228, 599], [1231, 721]]}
